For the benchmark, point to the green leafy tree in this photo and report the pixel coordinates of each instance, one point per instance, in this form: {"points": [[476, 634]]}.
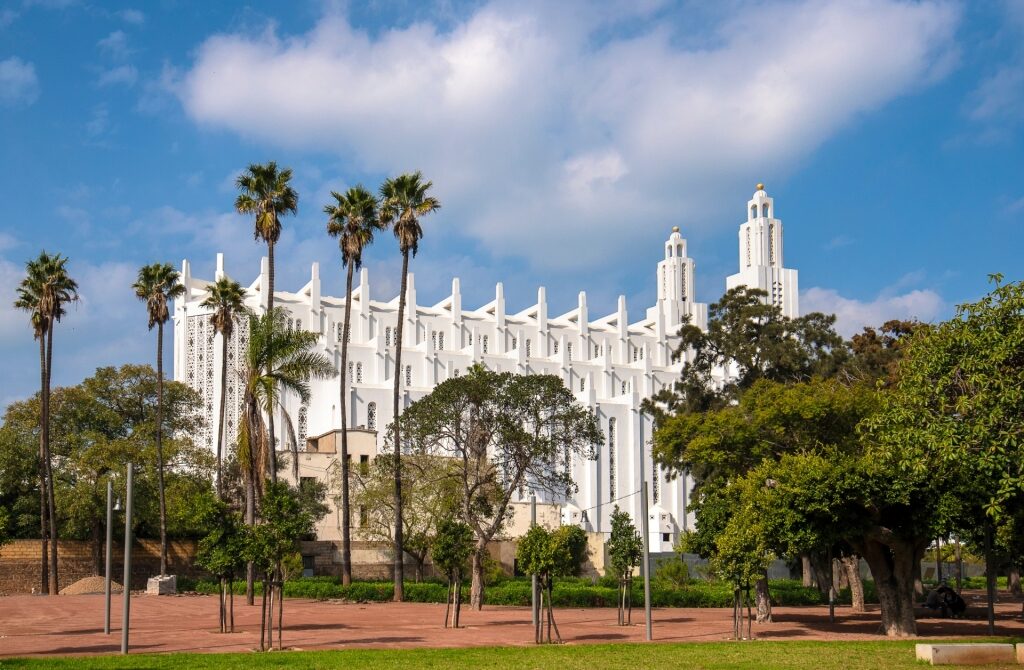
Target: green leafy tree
{"points": [[353, 219], [266, 194], [625, 551], [430, 494], [99, 425], [220, 552], [875, 354], [157, 284], [548, 554], [227, 300], [403, 201], [957, 412], [45, 293], [284, 520], [451, 550], [750, 335], [503, 431]]}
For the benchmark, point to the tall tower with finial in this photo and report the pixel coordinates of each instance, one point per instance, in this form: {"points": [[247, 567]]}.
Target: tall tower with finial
{"points": [[760, 256], [676, 288]]}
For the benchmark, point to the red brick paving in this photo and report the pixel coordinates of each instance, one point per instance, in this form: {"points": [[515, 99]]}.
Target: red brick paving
{"points": [[38, 625]]}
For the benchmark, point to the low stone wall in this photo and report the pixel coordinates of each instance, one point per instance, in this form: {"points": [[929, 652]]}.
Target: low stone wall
{"points": [[20, 563]]}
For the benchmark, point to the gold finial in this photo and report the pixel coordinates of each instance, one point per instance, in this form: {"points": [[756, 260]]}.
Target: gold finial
{"points": [[675, 229], [760, 187]]}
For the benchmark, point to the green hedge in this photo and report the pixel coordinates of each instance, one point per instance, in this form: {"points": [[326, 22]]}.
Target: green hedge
{"points": [[568, 592]]}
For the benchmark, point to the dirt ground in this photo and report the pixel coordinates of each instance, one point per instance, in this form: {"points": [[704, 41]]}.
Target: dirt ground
{"points": [[64, 625]]}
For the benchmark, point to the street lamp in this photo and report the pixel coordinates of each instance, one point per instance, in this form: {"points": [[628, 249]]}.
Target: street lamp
{"points": [[126, 589]]}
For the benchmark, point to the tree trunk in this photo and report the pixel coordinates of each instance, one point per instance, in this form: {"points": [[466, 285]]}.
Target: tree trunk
{"points": [[851, 564], [399, 543], [346, 513], [990, 580], [892, 568], [231, 603], [280, 608], [763, 598], [250, 519], [476, 589], [160, 445], [270, 411], [918, 584], [97, 547], [1013, 580], [221, 447], [458, 597], [449, 600], [263, 617], [807, 574], [51, 506], [44, 572], [822, 572]]}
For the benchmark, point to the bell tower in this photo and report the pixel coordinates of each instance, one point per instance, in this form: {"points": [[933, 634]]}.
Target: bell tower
{"points": [[760, 256], [676, 288]]}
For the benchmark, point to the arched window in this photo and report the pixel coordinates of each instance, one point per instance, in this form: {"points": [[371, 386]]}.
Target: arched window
{"points": [[597, 351], [670, 251], [568, 350], [302, 428], [556, 347], [351, 367], [753, 211], [636, 353], [371, 416], [341, 331], [528, 352], [433, 338], [583, 384], [515, 343], [440, 341], [408, 375], [641, 353], [359, 373], [611, 459], [679, 250], [485, 344], [764, 210], [387, 336]]}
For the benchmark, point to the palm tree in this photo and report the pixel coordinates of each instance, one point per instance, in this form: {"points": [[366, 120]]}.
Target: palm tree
{"points": [[266, 194], [44, 292], [156, 285], [403, 200], [276, 359], [227, 300], [353, 219]]}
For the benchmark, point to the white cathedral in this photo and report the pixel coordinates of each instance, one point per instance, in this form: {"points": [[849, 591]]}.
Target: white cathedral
{"points": [[609, 363]]}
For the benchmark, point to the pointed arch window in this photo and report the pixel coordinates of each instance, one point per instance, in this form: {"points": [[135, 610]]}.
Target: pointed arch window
{"points": [[484, 348], [753, 211], [303, 417], [408, 375], [568, 350], [440, 340], [371, 416], [387, 336], [351, 373], [764, 210], [583, 384], [528, 352], [341, 331], [433, 338], [359, 373], [556, 347]]}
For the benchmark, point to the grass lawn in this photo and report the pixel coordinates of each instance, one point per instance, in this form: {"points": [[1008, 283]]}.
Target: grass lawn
{"points": [[699, 656]]}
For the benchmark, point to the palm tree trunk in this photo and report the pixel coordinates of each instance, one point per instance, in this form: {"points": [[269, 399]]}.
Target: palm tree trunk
{"points": [[51, 505], [399, 543], [270, 412], [346, 527], [44, 572], [250, 519], [221, 447], [160, 445]]}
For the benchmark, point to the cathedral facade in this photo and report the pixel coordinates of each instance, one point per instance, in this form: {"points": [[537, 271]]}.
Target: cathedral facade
{"points": [[610, 363]]}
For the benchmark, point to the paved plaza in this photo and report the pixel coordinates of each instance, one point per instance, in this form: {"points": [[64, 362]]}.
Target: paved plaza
{"points": [[64, 625]]}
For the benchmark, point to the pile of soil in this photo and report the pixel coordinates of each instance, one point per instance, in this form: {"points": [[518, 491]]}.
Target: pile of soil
{"points": [[90, 585]]}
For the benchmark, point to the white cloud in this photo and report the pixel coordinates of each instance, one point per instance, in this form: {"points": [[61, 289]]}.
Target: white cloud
{"points": [[852, 315], [1000, 97], [7, 17], [133, 16], [19, 85], [534, 123], [123, 74], [115, 45]]}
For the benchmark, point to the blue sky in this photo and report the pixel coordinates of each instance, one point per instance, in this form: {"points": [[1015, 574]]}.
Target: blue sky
{"points": [[564, 141]]}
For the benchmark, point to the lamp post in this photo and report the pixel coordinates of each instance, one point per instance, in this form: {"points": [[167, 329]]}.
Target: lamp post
{"points": [[126, 590], [111, 508], [535, 615]]}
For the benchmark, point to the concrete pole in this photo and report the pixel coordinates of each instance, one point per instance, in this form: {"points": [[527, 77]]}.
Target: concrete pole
{"points": [[534, 600], [127, 587], [647, 558], [110, 538]]}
